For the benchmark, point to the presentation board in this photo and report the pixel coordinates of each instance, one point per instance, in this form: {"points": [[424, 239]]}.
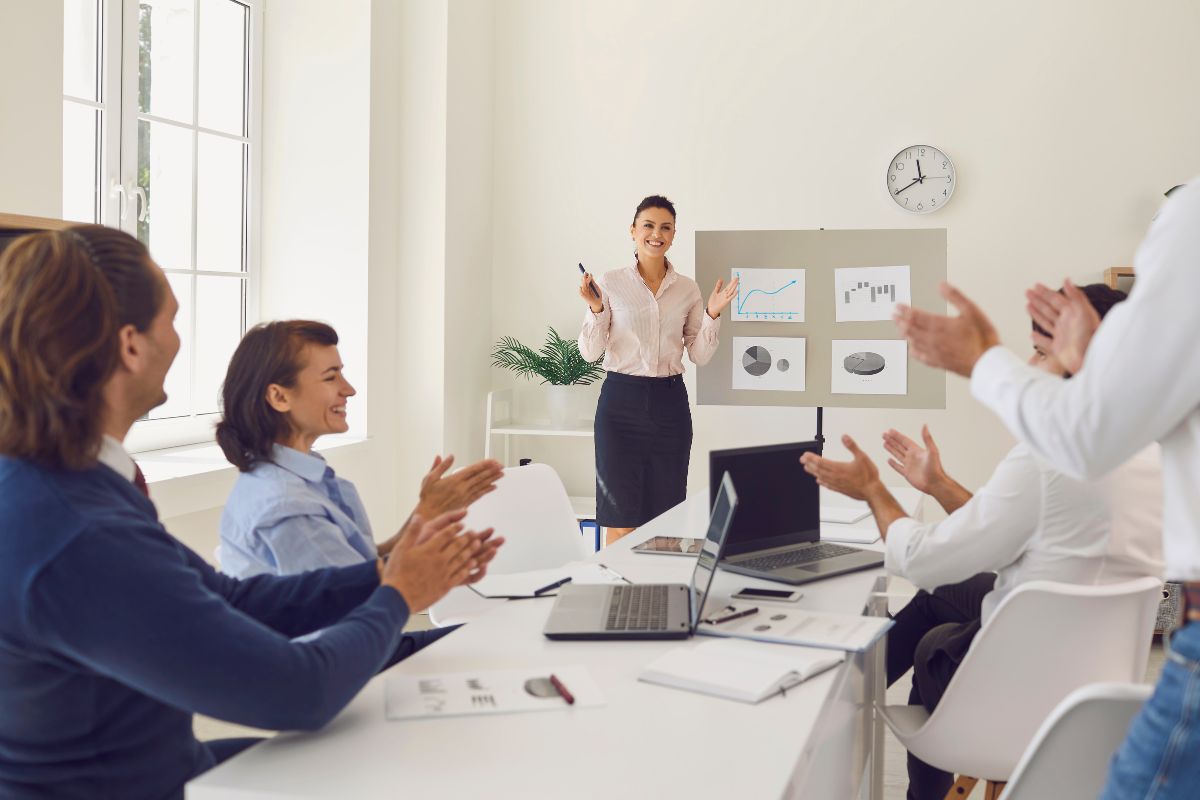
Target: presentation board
{"points": [[811, 324]]}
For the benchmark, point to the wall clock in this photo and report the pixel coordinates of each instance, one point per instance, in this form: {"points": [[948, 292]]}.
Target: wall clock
{"points": [[921, 178]]}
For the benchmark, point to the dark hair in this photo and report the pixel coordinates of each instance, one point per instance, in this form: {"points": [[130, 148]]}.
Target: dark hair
{"points": [[268, 353], [1102, 297], [654, 201], [64, 296]]}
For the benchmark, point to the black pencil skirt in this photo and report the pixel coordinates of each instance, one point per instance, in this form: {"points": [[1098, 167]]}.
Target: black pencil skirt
{"points": [[643, 445]]}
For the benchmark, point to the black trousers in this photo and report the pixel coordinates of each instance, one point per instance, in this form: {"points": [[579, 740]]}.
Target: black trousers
{"points": [[643, 445], [931, 636]]}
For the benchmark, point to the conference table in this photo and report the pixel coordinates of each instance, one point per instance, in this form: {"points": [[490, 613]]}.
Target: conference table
{"points": [[820, 740]]}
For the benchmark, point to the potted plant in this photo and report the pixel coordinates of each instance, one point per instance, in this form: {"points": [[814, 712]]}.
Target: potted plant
{"points": [[558, 364]]}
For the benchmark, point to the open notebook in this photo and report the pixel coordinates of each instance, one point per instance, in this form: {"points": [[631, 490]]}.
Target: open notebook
{"points": [[738, 669]]}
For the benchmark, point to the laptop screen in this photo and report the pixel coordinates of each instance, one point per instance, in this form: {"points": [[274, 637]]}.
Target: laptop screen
{"points": [[724, 505], [780, 502]]}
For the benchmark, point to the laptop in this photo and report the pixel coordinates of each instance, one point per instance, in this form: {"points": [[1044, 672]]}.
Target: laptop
{"points": [[646, 610], [777, 533]]}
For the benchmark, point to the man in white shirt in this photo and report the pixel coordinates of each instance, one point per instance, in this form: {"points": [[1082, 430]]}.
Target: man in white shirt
{"points": [[1138, 382], [1028, 522]]}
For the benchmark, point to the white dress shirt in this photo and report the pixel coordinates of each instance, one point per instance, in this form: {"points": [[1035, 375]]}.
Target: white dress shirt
{"points": [[1030, 522], [644, 333], [1140, 383], [114, 456]]}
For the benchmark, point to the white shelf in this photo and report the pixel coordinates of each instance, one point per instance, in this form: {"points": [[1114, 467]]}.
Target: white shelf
{"points": [[584, 507], [540, 429]]}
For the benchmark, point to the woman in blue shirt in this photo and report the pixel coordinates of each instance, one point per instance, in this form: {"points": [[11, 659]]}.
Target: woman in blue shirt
{"points": [[289, 512]]}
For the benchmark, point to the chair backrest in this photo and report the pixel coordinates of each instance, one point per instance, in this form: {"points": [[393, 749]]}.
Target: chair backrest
{"points": [[531, 510], [1068, 758], [1043, 641]]}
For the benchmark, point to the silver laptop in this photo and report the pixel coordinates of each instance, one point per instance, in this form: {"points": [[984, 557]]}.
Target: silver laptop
{"points": [[777, 535], [645, 610]]}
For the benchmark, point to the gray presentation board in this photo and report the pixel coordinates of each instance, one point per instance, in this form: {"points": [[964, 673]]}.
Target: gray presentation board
{"points": [[819, 253]]}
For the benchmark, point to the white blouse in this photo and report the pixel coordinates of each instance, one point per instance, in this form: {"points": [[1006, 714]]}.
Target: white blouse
{"points": [[644, 333]]}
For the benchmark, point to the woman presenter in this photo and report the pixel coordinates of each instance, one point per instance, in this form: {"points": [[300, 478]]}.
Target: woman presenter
{"points": [[643, 317]]}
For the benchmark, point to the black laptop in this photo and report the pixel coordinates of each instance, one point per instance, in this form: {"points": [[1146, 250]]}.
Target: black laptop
{"points": [[646, 610], [777, 532]]}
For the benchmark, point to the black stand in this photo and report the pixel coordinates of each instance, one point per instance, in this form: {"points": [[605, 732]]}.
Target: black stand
{"points": [[820, 437]]}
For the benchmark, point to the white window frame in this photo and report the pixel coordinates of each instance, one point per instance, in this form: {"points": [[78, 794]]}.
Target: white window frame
{"points": [[121, 203]]}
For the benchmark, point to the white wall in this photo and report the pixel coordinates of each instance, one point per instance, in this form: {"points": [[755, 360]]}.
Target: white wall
{"points": [[1066, 122], [31, 85]]}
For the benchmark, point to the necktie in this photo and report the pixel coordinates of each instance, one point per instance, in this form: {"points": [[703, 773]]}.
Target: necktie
{"points": [[139, 480]]}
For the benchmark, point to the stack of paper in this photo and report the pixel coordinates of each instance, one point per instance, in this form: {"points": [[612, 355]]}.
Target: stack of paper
{"points": [[738, 670]]}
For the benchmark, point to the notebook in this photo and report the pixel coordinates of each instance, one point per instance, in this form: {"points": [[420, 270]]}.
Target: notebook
{"points": [[737, 669]]}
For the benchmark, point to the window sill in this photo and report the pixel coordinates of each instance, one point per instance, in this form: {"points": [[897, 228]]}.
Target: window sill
{"points": [[184, 480]]}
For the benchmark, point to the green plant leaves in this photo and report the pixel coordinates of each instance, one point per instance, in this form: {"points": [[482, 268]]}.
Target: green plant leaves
{"points": [[558, 362]]}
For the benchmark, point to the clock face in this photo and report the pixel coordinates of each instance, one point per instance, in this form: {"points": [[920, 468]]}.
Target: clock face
{"points": [[921, 179]]}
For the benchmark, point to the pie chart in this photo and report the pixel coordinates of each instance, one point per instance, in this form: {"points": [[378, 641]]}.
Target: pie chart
{"points": [[864, 363], [757, 360]]}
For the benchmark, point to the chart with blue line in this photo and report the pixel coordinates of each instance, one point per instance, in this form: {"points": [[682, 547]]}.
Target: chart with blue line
{"points": [[768, 295]]}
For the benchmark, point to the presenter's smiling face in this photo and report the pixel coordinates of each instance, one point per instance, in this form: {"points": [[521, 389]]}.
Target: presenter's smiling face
{"points": [[653, 231], [316, 404]]}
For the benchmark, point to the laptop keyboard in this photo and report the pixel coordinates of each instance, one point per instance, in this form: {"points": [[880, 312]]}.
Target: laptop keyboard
{"points": [[638, 608], [802, 555]]}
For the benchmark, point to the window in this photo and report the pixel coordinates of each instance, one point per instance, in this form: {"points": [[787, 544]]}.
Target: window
{"points": [[171, 156]]}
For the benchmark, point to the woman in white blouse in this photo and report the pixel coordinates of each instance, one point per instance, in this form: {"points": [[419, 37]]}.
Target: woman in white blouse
{"points": [[643, 317]]}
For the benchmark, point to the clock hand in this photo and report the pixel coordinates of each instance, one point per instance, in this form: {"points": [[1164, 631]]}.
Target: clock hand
{"points": [[920, 177], [914, 181]]}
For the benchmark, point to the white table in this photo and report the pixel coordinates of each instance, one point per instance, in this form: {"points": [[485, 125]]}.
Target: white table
{"points": [[648, 741]]}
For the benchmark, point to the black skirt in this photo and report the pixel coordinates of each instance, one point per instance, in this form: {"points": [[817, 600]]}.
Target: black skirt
{"points": [[643, 445]]}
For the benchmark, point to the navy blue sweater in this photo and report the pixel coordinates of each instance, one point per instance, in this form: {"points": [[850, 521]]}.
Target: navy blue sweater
{"points": [[113, 633]]}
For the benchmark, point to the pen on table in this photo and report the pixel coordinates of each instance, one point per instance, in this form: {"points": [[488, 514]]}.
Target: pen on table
{"points": [[551, 586], [591, 285], [561, 688], [736, 615], [607, 568]]}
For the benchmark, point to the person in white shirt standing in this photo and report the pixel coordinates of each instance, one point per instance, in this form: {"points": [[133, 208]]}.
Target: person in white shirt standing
{"points": [[1028, 522], [1137, 381], [643, 317]]}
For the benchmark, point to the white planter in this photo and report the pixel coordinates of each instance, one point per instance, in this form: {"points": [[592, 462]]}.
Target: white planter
{"points": [[562, 405]]}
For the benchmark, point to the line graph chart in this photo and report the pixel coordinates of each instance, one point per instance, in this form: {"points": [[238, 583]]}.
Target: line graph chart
{"points": [[768, 295]]}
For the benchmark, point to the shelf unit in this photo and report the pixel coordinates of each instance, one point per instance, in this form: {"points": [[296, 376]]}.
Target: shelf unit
{"points": [[500, 415]]}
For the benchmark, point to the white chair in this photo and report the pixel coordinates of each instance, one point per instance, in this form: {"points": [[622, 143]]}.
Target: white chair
{"points": [[1068, 758], [1042, 642], [531, 510]]}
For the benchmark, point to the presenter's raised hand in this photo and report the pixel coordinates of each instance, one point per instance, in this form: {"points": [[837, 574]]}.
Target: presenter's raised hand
{"points": [[949, 343], [721, 296], [855, 478], [1070, 319], [920, 466], [586, 282], [430, 559]]}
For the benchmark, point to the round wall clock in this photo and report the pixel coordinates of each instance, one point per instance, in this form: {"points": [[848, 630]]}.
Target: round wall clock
{"points": [[921, 179]]}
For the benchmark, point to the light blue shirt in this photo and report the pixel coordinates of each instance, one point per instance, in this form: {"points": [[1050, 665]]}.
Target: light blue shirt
{"points": [[293, 514]]}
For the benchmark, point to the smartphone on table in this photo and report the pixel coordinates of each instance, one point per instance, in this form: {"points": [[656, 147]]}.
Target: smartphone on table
{"points": [[778, 595]]}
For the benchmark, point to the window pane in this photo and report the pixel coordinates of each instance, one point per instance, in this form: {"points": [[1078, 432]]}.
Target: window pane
{"points": [[165, 173], [80, 49], [220, 204], [224, 25], [81, 161], [179, 379], [219, 304], [166, 41]]}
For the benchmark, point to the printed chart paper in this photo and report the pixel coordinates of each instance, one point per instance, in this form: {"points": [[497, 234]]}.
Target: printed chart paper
{"points": [[768, 295], [457, 694], [869, 294], [768, 363], [869, 366]]}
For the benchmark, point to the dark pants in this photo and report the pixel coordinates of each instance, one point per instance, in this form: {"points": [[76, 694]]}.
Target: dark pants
{"points": [[643, 445], [931, 635]]}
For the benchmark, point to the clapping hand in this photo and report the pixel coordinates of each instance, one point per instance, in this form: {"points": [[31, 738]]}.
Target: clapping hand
{"points": [[720, 297], [920, 466], [950, 343], [852, 478], [441, 493], [1068, 317], [431, 558]]}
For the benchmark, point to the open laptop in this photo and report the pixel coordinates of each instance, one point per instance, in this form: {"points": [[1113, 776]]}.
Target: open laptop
{"points": [[777, 533], [646, 610]]}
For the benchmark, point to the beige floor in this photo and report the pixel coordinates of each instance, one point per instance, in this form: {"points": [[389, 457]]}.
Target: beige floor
{"points": [[895, 778]]}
